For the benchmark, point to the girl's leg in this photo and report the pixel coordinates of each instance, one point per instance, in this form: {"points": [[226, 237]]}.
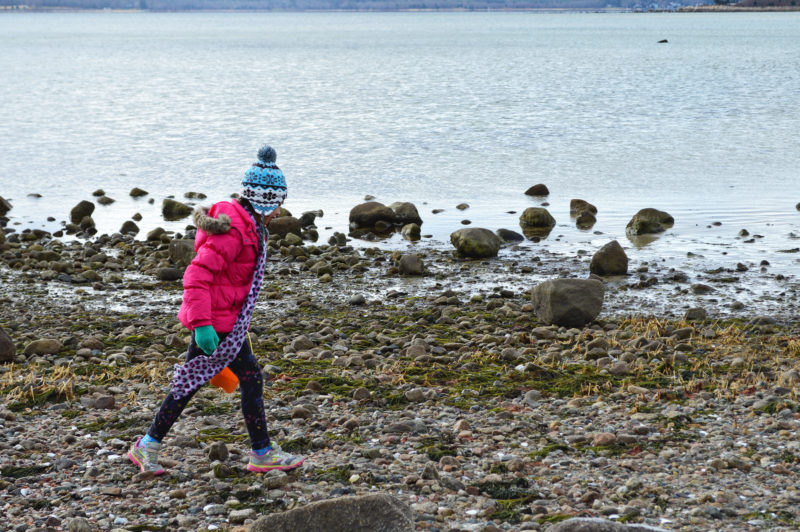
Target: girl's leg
{"points": [[251, 382], [171, 408]]}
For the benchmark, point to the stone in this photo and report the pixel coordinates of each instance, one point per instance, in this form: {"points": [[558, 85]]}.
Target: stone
{"points": [[105, 200], [538, 190], [411, 264], [309, 217], [5, 206], [218, 451], [43, 346], [568, 302], [357, 300], [87, 222], [536, 218], [156, 234], [80, 524], [293, 239], [137, 192], [695, 314], [585, 220], [415, 395], [169, 274], [609, 260], [238, 517], [649, 221], [103, 402], [301, 343], [361, 394], [595, 524], [509, 236], [577, 206], [129, 228], [405, 213], [366, 513], [451, 483], [174, 210], [366, 215], [476, 242], [181, 252], [275, 479], [301, 412], [7, 348], [411, 232], [80, 211], [283, 225]]}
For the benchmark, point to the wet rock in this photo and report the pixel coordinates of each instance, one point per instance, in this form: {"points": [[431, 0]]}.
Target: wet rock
{"points": [[411, 264], [357, 299], [44, 346], [137, 192], [87, 223], [366, 215], [169, 274], [156, 234], [5, 206], [537, 190], [284, 225], [174, 210], [275, 479], [105, 200], [568, 302], [700, 289], [585, 220], [80, 211], [309, 217], [129, 228], [577, 206], [649, 221], [7, 348], [218, 451], [405, 213], [462, 206], [695, 314], [509, 236], [181, 252], [609, 260], [595, 524], [411, 232], [536, 218], [238, 517], [476, 242], [367, 513]]}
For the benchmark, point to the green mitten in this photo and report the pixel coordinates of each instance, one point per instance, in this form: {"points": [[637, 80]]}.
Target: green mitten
{"points": [[206, 338]]}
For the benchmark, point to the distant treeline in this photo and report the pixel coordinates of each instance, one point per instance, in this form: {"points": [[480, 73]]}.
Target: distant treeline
{"points": [[303, 5]]}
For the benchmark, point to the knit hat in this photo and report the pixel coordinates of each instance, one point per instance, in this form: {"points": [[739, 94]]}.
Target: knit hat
{"points": [[263, 183]]}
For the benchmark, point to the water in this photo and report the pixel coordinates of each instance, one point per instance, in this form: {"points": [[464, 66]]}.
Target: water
{"points": [[432, 108]]}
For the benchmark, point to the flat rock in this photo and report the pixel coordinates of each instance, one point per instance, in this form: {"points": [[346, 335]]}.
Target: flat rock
{"points": [[368, 513], [44, 346], [476, 242], [594, 524]]}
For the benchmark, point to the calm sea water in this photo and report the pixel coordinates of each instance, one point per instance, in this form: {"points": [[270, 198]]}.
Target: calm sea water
{"points": [[437, 109]]}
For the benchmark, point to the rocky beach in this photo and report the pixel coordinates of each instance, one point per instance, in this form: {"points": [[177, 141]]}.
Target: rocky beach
{"points": [[432, 388]]}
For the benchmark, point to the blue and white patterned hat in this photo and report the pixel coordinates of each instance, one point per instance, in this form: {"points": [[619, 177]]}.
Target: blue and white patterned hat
{"points": [[263, 183]]}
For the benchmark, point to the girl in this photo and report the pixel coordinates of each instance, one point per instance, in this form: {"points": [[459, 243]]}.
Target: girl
{"points": [[221, 286]]}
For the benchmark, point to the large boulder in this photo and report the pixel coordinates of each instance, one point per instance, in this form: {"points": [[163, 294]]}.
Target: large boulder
{"points": [[5, 206], [44, 346], [129, 227], [538, 190], [796, 207], [595, 524], [609, 260], [7, 348], [411, 264], [283, 225], [366, 513], [536, 222], [475, 242], [366, 215], [80, 211], [568, 302], [577, 206], [181, 252], [649, 221], [174, 210], [405, 213]]}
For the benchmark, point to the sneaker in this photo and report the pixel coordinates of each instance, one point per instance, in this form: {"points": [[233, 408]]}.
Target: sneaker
{"points": [[146, 457], [275, 458]]}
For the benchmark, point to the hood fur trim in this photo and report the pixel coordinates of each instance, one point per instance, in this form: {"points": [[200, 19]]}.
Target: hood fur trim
{"points": [[213, 226]]}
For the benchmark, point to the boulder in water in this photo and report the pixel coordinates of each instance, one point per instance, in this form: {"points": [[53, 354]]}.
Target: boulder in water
{"points": [[509, 236], [5, 206], [577, 206], [585, 220], [174, 210], [476, 242], [80, 211], [405, 213], [568, 302], [284, 225], [366, 215], [536, 217], [538, 190], [649, 221], [609, 260], [129, 228], [137, 192], [411, 232], [365, 513]]}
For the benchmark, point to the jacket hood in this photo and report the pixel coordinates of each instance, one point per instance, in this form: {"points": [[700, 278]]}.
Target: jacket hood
{"points": [[209, 224]]}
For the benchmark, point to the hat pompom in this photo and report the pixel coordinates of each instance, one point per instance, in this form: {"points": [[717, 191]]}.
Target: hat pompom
{"points": [[267, 154]]}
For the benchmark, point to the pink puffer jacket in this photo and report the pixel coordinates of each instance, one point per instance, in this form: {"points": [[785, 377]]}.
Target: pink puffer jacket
{"points": [[218, 280]]}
